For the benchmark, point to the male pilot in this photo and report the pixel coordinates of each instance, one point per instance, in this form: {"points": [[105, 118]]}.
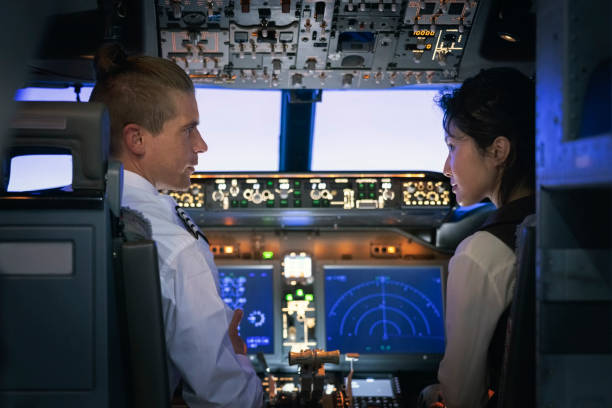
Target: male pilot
{"points": [[154, 118]]}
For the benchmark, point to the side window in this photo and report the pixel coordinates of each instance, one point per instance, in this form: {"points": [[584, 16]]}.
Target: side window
{"points": [[53, 94], [241, 127]]}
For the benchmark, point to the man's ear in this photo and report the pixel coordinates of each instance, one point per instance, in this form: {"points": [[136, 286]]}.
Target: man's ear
{"points": [[133, 138], [499, 150]]}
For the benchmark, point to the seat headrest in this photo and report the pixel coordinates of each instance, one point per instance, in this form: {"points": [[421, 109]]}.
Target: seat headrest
{"points": [[83, 129]]}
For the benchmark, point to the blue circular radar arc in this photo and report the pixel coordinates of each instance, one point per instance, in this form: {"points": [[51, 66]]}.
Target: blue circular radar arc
{"points": [[390, 322], [405, 287], [363, 316], [354, 288], [354, 305]]}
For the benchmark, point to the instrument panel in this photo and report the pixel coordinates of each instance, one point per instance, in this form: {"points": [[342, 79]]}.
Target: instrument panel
{"points": [[309, 44], [368, 291], [294, 200]]}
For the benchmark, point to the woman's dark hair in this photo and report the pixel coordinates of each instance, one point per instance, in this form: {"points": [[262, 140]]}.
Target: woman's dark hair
{"points": [[136, 89], [497, 102]]}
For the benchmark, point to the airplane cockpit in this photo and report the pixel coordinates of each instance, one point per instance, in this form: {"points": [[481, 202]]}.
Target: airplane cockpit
{"points": [[321, 197]]}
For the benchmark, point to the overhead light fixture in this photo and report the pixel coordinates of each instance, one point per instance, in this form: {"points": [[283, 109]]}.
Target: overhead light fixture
{"points": [[506, 36]]}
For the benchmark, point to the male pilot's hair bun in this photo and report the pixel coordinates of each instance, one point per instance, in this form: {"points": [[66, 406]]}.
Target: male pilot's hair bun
{"points": [[109, 60]]}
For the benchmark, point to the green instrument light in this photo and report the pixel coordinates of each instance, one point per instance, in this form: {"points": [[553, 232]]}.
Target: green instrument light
{"points": [[267, 254], [299, 292], [309, 297], [288, 297]]}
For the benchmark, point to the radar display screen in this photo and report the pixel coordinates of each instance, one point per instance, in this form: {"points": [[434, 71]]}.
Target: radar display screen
{"points": [[384, 310], [249, 289]]}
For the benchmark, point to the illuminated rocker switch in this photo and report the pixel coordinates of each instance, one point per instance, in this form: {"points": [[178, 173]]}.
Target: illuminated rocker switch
{"points": [[316, 203], [244, 203], [371, 186], [270, 203], [361, 186], [288, 297], [270, 183], [309, 297], [284, 203], [297, 183], [235, 203], [361, 195], [372, 195], [300, 292], [297, 194]]}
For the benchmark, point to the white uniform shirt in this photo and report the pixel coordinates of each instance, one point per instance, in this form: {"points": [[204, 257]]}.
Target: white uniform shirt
{"points": [[195, 317], [479, 289]]}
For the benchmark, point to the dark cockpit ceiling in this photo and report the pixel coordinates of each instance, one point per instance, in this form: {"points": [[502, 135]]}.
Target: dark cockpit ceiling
{"points": [[294, 44]]}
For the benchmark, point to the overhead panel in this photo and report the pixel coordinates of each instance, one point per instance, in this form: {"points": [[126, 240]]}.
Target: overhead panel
{"points": [[308, 44]]}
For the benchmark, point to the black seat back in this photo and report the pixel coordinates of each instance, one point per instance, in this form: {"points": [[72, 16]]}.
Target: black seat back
{"points": [[57, 344], [139, 285], [517, 384]]}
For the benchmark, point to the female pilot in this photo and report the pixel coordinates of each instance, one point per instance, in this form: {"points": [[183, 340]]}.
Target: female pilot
{"points": [[490, 130]]}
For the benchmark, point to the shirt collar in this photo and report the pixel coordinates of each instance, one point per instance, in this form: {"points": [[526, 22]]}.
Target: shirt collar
{"points": [[136, 181], [512, 213]]}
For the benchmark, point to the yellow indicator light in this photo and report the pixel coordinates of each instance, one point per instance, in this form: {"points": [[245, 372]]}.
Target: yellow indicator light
{"points": [[299, 292], [366, 76], [391, 249], [228, 249]]}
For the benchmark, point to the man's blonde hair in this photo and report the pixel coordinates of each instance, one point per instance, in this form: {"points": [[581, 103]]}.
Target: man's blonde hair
{"points": [[136, 89]]}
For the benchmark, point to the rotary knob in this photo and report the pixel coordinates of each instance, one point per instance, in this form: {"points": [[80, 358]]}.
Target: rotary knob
{"points": [[257, 198], [388, 195], [217, 195], [195, 189]]}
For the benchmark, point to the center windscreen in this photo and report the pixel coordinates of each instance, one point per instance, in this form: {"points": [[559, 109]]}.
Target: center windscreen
{"points": [[384, 310]]}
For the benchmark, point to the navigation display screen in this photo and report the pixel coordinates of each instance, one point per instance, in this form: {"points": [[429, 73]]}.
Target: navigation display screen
{"points": [[249, 289], [384, 310]]}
